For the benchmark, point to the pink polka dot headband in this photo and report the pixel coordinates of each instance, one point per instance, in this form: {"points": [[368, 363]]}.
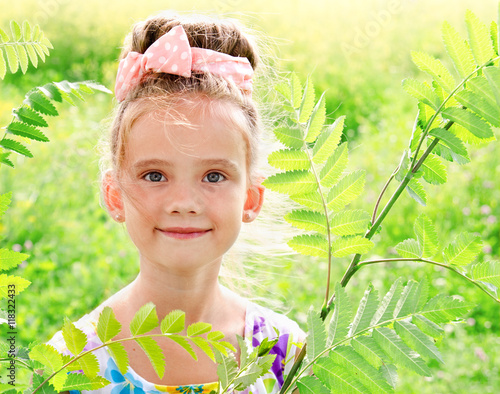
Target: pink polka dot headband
{"points": [[171, 54]]}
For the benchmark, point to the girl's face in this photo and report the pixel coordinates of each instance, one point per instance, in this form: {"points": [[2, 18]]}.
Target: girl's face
{"points": [[184, 190]]}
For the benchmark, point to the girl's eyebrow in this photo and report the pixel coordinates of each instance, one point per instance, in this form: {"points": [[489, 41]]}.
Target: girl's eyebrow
{"points": [[225, 163]]}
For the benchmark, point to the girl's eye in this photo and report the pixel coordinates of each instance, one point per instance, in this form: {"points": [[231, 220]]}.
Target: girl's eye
{"points": [[154, 177], [214, 177]]}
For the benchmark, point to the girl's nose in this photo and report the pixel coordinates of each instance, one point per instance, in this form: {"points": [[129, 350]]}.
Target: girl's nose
{"points": [[184, 199]]}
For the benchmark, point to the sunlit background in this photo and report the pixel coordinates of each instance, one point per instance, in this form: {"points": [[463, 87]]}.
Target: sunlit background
{"points": [[359, 52]]}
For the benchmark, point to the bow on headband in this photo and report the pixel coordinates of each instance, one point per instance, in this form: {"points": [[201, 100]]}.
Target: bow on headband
{"points": [[171, 54]]}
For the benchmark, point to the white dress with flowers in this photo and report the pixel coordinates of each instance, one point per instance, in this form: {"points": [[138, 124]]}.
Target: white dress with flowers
{"points": [[260, 323]]}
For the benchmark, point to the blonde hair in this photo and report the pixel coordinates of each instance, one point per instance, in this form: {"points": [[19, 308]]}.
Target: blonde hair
{"points": [[202, 91]]}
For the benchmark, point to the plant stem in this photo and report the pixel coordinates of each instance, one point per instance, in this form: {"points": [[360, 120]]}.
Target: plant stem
{"points": [[419, 260]]}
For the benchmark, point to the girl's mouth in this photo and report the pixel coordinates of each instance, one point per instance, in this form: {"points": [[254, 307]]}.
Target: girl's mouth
{"points": [[184, 232]]}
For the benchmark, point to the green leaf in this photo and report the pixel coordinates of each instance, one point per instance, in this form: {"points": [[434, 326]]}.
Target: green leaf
{"points": [[46, 388], [15, 146], [400, 353], [317, 120], [409, 249], [289, 159], [249, 377], [311, 385], [482, 88], [451, 141], [310, 245], [4, 159], [328, 141], [51, 91], [385, 311], [341, 317], [290, 137], [173, 323], [479, 38], [370, 377], [337, 378], [467, 137], [3, 36], [421, 92], [89, 364], [426, 236], [307, 104], [154, 353], [198, 328], [350, 222], [493, 76], [435, 69], [49, 357], [345, 246], [390, 374], [79, 382], [32, 55], [284, 89], [479, 105], [144, 320], [487, 272], [27, 131], [417, 340], [12, 58], [38, 101], [307, 220], [183, 342], [292, 182], [5, 200], [19, 284], [367, 348], [443, 309], [204, 346], [227, 369], [366, 309], [74, 337], [215, 335], [22, 56], [10, 259], [427, 327], [3, 66], [412, 299], [108, 326], [469, 120], [434, 170], [120, 356], [334, 166], [29, 116], [16, 30], [26, 33], [316, 338], [458, 50], [463, 250], [346, 190], [310, 200]]}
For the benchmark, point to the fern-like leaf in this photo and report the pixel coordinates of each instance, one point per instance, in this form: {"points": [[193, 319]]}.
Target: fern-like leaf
{"points": [[144, 320], [493, 76], [20, 284], [74, 338], [451, 141], [359, 367], [328, 141], [341, 317], [458, 50], [15, 146], [173, 323], [307, 104], [409, 248], [120, 356], [154, 353], [316, 339], [417, 340], [479, 38], [427, 327], [422, 92], [366, 309], [334, 166], [27, 131], [487, 272], [310, 200], [443, 309], [473, 123], [317, 120], [344, 246], [367, 348], [435, 69], [400, 353], [307, 220], [10, 259], [289, 159], [290, 137], [426, 235], [463, 250], [349, 222], [310, 245], [89, 364], [346, 190], [434, 171], [480, 106], [385, 311], [292, 182], [311, 385], [107, 326], [198, 328]]}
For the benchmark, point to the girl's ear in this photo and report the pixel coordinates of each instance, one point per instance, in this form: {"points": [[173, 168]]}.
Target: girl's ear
{"points": [[113, 197], [254, 201]]}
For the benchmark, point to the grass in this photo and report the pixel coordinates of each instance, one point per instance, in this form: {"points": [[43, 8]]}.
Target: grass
{"points": [[79, 256]]}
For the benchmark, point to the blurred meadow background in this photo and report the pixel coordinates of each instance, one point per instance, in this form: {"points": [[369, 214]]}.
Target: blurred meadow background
{"points": [[359, 52]]}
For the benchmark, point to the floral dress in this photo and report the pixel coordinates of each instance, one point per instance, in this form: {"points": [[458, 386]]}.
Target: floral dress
{"points": [[260, 323]]}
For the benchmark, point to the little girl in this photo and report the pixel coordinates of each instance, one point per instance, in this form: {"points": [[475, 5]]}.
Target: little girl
{"points": [[183, 178]]}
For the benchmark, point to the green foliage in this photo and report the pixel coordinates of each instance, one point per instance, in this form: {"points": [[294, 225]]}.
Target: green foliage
{"points": [[29, 117], [25, 46]]}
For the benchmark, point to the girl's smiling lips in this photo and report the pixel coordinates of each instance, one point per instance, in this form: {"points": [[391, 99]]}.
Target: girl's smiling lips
{"points": [[184, 232]]}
